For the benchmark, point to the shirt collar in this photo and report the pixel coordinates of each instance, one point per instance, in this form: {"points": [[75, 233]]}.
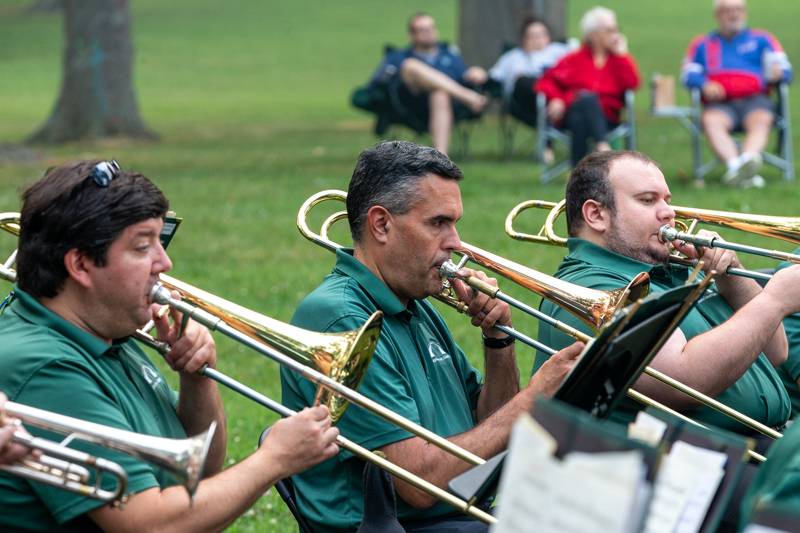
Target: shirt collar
{"points": [[383, 296], [588, 252], [31, 310]]}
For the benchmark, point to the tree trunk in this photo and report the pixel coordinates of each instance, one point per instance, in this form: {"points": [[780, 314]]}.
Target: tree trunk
{"points": [[486, 28], [97, 97]]}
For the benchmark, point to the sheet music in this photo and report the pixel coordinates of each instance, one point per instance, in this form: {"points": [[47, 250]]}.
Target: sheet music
{"points": [[647, 428], [586, 493], [685, 487]]}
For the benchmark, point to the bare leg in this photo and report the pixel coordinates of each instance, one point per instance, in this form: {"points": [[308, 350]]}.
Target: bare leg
{"points": [[717, 126], [756, 125], [420, 77], [440, 119]]}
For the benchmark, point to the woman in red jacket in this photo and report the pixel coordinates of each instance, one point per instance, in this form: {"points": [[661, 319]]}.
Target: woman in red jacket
{"points": [[585, 90]]}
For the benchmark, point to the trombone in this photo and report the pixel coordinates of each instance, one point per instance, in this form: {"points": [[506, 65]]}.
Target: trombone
{"points": [[204, 313], [784, 228], [66, 468], [351, 350]]}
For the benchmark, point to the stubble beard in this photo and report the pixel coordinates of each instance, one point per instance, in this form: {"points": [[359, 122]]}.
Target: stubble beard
{"points": [[619, 244]]}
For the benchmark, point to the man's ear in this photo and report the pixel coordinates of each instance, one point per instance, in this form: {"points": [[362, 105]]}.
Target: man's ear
{"points": [[596, 216], [379, 223], [78, 266]]}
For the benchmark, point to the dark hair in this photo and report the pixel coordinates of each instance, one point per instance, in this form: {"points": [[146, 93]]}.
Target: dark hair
{"points": [[528, 21], [68, 209], [589, 181], [414, 17], [388, 174]]}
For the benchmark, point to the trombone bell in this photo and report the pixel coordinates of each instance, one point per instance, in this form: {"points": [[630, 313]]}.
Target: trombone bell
{"points": [[595, 307]]}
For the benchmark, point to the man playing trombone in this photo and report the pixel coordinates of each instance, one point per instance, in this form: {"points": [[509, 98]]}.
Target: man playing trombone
{"points": [[403, 204], [89, 254], [729, 345]]}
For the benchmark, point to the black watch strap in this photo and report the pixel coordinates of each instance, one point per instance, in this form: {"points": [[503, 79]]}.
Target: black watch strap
{"points": [[496, 344]]}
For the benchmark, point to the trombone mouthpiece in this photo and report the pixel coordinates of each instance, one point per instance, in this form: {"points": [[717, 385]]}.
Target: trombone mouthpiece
{"points": [[448, 269], [160, 294], [667, 233]]}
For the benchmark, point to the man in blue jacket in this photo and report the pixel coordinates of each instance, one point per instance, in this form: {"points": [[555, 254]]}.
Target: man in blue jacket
{"points": [[433, 79]]}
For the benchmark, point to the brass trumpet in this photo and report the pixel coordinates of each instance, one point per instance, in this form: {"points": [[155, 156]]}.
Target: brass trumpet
{"points": [[66, 467]]}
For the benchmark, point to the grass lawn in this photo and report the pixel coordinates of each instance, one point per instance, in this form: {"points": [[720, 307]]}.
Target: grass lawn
{"points": [[251, 102]]}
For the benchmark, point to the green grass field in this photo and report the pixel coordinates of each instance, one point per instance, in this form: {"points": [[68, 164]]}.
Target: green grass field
{"points": [[251, 102]]}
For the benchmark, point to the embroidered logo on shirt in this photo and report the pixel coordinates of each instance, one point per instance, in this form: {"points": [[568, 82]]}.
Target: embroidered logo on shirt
{"points": [[437, 353], [151, 377], [746, 47]]}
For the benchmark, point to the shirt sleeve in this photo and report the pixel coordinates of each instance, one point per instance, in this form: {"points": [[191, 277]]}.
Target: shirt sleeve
{"points": [[64, 387], [791, 324], [693, 70], [501, 70]]}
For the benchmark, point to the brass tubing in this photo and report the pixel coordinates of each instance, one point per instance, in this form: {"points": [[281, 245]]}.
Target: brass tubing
{"points": [[357, 450]]}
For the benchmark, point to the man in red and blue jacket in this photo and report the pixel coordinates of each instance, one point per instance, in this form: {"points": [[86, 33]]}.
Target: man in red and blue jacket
{"points": [[733, 67]]}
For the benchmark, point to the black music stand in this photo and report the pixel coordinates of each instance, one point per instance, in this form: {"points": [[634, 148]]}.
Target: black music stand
{"points": [[608, 366]]}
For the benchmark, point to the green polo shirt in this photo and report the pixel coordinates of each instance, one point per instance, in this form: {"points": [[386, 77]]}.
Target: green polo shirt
{"points": [[49, 363], [759, 393], [790, 370], [777, 483], [417, 371]]}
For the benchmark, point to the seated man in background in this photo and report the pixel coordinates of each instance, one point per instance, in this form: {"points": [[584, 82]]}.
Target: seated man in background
{"points": [[518, 70], [733, 67], [585, 89], [728, 345], [89, 254], [403, 204], [433, 79]]}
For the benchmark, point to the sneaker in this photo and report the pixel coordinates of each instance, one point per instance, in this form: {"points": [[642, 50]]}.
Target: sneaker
{"points": [[754, 182], [749, 165]]}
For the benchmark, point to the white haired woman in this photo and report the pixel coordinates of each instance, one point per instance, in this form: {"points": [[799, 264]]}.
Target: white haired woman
{"points": [[585, 89]]}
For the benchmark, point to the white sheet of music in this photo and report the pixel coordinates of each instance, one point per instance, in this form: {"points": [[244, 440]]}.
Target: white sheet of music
{"points": [[685, 487], [585, 493]]}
